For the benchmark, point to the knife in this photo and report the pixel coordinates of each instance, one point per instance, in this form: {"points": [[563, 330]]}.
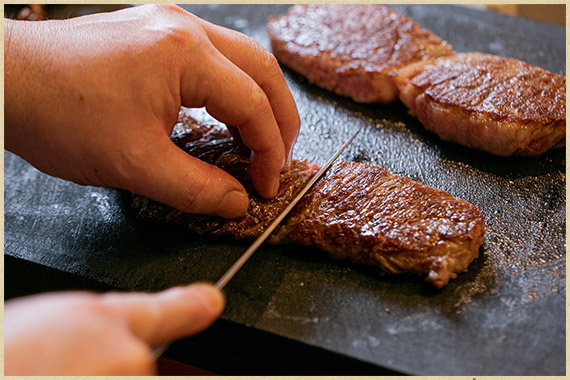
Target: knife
{"points": [[261, 238], [230, 273]]}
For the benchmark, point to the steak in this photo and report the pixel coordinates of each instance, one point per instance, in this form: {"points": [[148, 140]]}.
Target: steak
{"points": [[501, 105], [367, 215], [352, 50], [213, 144], [356, 211]]}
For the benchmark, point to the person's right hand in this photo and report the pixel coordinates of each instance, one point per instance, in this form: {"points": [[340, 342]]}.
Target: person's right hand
{"points": [[83, 333], [94, 99]]}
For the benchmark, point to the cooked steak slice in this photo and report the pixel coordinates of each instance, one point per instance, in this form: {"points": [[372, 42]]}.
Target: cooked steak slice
{"points": [[353, 50], [356, 211], [500, 105], [365, 214]]}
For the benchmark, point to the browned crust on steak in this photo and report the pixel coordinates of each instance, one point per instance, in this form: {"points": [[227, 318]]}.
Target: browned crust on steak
{"points": [[500, 105], [365, 214], [356, 212], [352, 50]]}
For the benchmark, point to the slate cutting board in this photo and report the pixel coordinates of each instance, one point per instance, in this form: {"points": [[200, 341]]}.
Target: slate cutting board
{"points": [[292, 310]]}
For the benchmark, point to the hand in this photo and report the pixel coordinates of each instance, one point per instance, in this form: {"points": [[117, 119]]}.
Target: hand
{"points": [[94, 99], [80, 333]]}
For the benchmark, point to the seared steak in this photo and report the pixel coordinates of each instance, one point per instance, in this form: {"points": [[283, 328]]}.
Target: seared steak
{"points": [[366, 214], [356, 211], [353, 50], [500, 105]]}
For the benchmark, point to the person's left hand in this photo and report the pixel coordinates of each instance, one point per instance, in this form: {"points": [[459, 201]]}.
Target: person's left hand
{"points": [[93, 100], [81, 333]]}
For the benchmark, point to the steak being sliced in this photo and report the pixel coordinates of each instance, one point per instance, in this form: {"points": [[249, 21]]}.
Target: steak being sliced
{"points": [[353, 50], [356, 211], [500, 105], [366, 214]]}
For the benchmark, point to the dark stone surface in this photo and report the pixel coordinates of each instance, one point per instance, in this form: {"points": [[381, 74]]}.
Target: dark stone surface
{"points": [[293, 310]]}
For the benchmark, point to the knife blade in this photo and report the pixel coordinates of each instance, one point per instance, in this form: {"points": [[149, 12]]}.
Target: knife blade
{"points": [[261, 238], [239, 263]]}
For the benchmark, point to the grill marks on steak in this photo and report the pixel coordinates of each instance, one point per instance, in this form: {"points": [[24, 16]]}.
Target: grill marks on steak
{"points": [[356, 211], [353, 50], [500, 105]]}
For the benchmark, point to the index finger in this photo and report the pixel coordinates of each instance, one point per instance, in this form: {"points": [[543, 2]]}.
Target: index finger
{"points": [[243, 104], [263, 68]]}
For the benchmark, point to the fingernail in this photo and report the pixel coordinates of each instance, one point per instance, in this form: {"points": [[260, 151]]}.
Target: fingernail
{"points": [[274, 186], [291, 153], [287, 165], [212, 297], [234, 204]]}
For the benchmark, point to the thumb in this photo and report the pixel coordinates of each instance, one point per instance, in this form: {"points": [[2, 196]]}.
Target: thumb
{"points": [[169, 175], [171, 314]]}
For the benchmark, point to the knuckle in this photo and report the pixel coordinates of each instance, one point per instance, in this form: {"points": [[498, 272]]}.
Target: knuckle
{"points": [[258, 101], [174, 36], [266, 58], [269, 62], [164, 9], [173, 27], [250, 41], [272, 64]]}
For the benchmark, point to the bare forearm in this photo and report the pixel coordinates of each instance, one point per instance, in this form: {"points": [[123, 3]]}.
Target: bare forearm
{"points": [[19, 52], [32, 101]]}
